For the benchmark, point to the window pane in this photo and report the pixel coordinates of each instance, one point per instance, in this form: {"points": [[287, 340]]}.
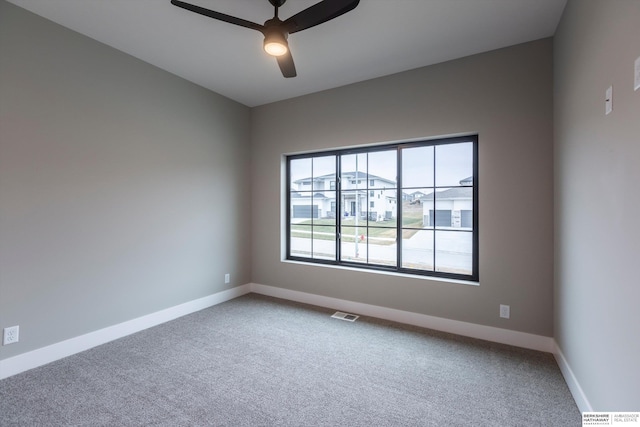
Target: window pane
{"points": [[454, 207], [383, 209], [417, 249], [324, 172], [302, 208], [354, 207], [454, 163], [300, 240], [454, 252], [382, 169], [382, 246], [416, 207], [300, 173], [354, 244], [417, 167], [354, 171], [325, 205], [324, 243]]}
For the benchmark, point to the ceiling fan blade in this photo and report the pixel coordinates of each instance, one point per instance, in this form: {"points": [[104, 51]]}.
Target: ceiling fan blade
{"points": [[285, 62], [318, 13], [219, 16]]}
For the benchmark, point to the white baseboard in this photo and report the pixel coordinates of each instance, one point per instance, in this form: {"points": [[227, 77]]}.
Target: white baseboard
{"points": [[488, 333], [32, 359], [572, 381], [23, 362]]}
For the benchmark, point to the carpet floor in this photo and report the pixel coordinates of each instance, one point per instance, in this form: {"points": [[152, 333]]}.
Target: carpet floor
{"points": [[261, 361]]}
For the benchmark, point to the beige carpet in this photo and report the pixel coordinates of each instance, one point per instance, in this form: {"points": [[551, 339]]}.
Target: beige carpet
{"points": [[260, 361]]}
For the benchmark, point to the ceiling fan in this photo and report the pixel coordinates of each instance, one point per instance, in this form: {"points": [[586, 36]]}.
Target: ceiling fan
{"points": [[276, 31]]}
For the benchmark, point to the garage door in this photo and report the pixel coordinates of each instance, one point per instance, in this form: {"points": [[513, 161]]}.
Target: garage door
{"points": [[442, 218], [305, 211], [466, 218]]}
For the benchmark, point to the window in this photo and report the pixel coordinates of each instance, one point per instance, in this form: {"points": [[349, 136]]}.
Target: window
{"points": [[425, 219]]}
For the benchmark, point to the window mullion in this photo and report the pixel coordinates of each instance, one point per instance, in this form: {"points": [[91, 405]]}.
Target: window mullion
{"points": [[288, 224], [339, 209], [399, 208], [435, 210], [312, 205]]}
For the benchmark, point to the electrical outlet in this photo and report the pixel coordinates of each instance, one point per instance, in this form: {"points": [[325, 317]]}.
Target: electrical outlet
{"points": [[227, 278], [11, 335], [505, 311]]}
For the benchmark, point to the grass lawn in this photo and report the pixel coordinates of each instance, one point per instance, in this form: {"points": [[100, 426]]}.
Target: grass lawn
{"points": [[412, 219]]}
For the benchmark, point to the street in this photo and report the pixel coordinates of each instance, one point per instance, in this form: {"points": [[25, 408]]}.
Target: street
{"points": [[453, 254]]}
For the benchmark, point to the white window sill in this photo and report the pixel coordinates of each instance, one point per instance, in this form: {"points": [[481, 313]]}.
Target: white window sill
{"points": [[388, 273]]}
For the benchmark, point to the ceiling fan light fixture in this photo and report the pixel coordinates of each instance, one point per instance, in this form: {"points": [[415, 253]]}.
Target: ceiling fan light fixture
{"points": [[276, 31], [275, 44]]}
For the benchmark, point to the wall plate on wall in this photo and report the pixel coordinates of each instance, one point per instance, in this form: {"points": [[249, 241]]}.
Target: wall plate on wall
{"points": [[636, 80], [11, 335]]}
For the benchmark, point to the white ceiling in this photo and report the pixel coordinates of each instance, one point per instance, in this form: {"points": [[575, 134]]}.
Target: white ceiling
{"points": [[379, 37]]}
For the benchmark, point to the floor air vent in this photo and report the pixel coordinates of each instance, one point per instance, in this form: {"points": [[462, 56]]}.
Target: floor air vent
{"points": [[345, 316]]}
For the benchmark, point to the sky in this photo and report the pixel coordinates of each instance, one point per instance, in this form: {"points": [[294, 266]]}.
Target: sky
{"points": [[454, 163]]}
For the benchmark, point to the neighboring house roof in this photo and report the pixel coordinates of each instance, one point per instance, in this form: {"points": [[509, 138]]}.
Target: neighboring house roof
{"points": [[452, 194], [306, 195], [361, 175], [467, 181], [322, 177]]}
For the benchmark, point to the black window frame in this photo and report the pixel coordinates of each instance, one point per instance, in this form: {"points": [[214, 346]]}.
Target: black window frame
{"points": [[474, 276]]}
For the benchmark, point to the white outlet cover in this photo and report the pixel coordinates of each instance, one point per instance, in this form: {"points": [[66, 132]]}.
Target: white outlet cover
{"points": [[505, 311], [636, 82], [608, 100], [11, 335]]}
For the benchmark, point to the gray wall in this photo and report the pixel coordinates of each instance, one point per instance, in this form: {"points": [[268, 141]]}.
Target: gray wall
{"points": [[506, 97], [597, 168], [123, 189]]}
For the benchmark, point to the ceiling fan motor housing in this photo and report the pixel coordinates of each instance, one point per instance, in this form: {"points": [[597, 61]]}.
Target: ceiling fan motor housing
{"points": [[277, 3]]}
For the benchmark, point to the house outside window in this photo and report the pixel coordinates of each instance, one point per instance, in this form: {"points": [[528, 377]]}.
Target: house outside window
{"points": [[423, 221]]}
